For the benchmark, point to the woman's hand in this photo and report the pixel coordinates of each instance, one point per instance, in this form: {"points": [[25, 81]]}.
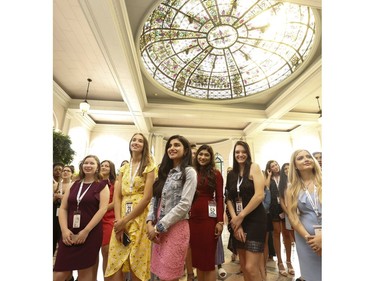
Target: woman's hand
{"points": [[315, 242], [119, 235], [152, 235], [240, 235], [218, 229], [236, 222], [81, 237], [66, 237], [119, 225]]}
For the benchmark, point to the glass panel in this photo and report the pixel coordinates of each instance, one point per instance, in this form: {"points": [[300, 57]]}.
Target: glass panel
{"points": [[225, 49]]}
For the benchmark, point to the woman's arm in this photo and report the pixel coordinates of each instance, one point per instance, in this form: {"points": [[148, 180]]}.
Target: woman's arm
{"points": [[257, 176], [293, 216], [66, 234], [179, 211], [268, 178], [117, 197], [220, 204]]}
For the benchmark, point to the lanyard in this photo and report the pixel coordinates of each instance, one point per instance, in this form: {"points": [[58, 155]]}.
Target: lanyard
{"points": [[238, 184], [314, 203], [277, 181], [130, 174], [79, 196]]}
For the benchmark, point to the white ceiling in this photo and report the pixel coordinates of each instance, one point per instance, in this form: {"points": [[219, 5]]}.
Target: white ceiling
{"points": [[96, 39]]}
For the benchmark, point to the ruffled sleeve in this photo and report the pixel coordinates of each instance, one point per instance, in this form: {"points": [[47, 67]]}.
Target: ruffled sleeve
{"points": [[151, 166]]}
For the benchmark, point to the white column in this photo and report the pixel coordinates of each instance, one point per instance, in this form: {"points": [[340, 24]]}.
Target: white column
{"points": [[159, 146]]}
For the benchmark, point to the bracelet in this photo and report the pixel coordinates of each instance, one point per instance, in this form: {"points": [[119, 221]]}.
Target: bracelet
{"points": [[221, 223]]}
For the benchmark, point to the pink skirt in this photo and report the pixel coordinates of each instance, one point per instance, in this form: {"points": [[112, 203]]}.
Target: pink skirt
{"points": [[168, 257]]}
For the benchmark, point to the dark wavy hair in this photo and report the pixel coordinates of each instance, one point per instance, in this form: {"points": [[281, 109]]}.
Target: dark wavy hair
{"points": [[112, 171], [207, 171], [236, 166], [283, 184], [167, 164]]}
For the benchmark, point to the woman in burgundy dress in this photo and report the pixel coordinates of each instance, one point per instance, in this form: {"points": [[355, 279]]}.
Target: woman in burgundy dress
{"points": [[206, 219], [80, 217]]}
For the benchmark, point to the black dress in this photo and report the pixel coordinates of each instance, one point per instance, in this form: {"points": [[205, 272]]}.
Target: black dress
{"points": [[255, 223], [275, 206]]}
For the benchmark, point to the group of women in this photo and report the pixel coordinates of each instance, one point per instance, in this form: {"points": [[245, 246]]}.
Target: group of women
{"points": [[161, 211]]}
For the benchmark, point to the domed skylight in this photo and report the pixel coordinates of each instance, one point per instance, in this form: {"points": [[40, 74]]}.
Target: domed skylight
{"points": [[225, 49]]}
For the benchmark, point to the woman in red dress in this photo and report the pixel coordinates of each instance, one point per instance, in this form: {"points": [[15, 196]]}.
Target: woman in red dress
{"points": [[108, 172], [206, 219]]}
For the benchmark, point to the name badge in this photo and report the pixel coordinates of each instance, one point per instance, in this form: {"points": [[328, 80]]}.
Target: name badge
{"points": [[239, 206], [76, 219], [212, 209], [128, 208]]}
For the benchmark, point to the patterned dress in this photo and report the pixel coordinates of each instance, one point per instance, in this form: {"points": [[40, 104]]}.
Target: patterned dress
{"points": [[136, 256]]}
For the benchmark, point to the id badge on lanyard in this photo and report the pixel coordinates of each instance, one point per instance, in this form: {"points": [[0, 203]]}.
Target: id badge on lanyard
{"points": [[212, 209], [77, 219], [77, 213], [239, 206], [128, 208]]}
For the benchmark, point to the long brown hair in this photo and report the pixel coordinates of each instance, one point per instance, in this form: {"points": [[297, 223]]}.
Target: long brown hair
{"points": [[207, 171], [295, 180], [146, 156]]}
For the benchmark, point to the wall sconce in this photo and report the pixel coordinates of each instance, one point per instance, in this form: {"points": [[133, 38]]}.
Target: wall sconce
{"points": [[85, 106]]}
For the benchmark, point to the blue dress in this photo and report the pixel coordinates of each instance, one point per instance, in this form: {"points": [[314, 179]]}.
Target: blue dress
{"points": [[310, 262]]}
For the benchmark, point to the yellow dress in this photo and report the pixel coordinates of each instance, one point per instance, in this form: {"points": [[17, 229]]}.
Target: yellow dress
{"points": [[136, 256]]}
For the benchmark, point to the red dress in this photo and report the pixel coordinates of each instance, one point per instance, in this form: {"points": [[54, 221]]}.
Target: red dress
{"points": [[109, 217], [202, 227], [84, 255]]}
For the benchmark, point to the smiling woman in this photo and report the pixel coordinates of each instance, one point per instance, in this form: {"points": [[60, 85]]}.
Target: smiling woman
{"points": [[82, 209], [206, 217], [167, 220]]}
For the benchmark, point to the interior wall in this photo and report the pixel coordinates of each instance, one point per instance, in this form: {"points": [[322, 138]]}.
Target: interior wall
{"points": [[111, 142]]}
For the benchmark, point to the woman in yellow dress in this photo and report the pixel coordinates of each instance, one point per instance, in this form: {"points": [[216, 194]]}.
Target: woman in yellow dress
{"points": [[133, 192]]}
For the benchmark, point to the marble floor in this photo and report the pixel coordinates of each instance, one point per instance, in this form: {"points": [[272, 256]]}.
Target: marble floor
{"points": [[233, 268]]}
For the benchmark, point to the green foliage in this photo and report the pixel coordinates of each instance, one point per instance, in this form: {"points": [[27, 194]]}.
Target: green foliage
{"points": [[62, 152]]}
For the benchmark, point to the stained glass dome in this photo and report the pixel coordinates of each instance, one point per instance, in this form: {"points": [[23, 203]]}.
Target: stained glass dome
{"points": [[225, 49]]}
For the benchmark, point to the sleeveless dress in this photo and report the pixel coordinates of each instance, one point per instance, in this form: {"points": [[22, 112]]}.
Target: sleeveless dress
{"points": [[136, 256], [310, 263], [82, 256], [203, 243], [109, 217], [255, 223]]}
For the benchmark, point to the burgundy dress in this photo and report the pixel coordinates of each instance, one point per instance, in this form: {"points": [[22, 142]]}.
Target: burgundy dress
{"points": [[202, 227], [84, 255]]}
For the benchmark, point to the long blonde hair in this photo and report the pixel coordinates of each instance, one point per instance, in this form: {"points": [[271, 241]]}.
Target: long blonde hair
{"points": [[295, 181]]}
